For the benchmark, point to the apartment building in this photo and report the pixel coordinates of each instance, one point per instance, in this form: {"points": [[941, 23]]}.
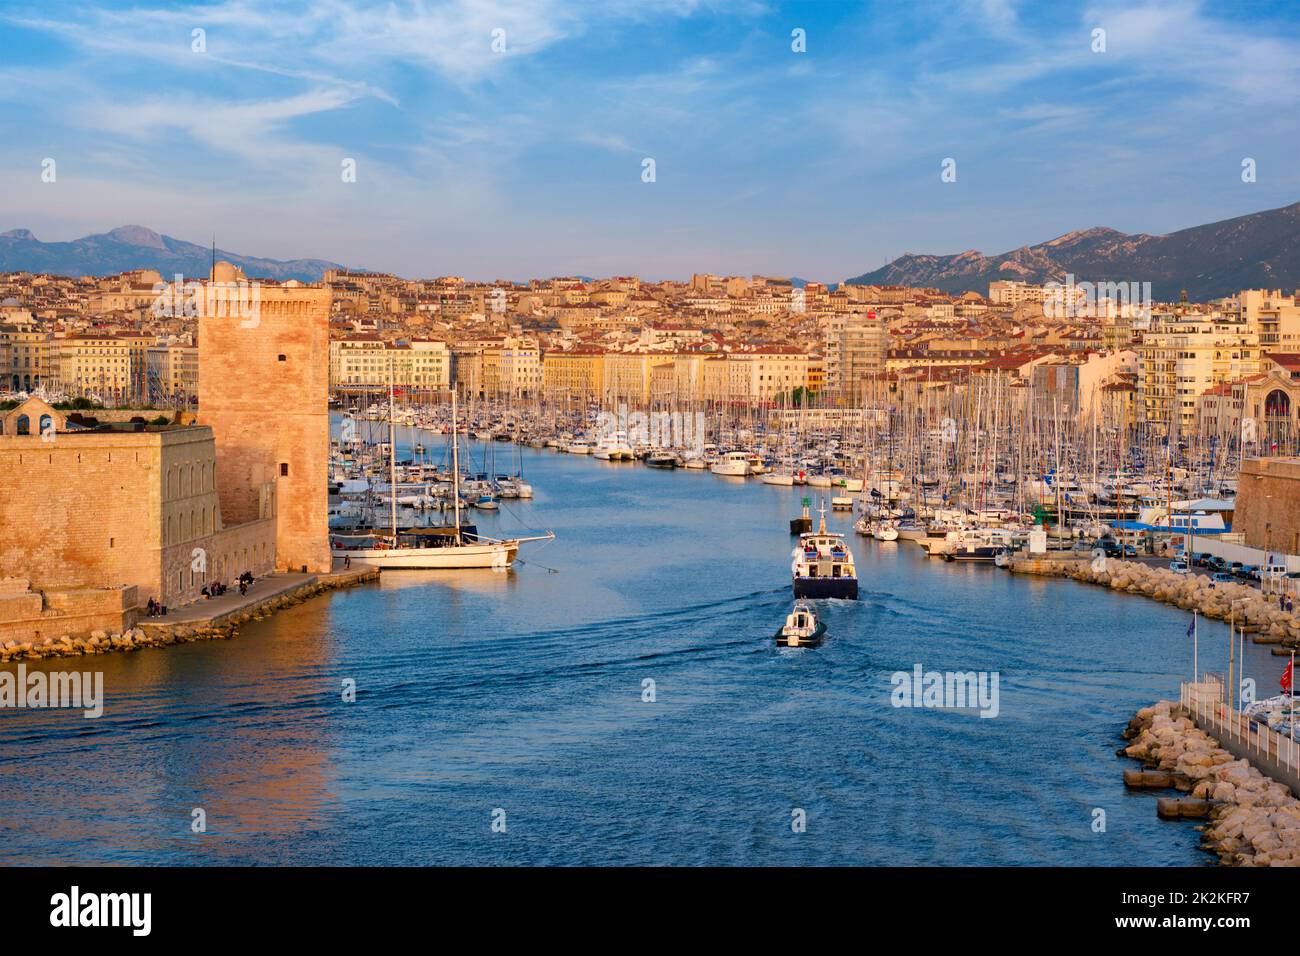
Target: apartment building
{"points": [[1181, 358], [578, 372], [101, 365], [368, 362], [172, 372], [856, 350]]}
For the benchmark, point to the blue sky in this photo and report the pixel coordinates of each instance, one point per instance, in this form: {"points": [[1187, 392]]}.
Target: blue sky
{"points": [[528, 162]]}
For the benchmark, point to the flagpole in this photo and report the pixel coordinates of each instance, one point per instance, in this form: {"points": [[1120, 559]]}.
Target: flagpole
{"points": [[1232, 648], [1242, 658], [1196, 667]]}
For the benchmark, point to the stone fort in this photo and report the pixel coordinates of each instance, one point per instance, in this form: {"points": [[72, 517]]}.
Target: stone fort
{"points": [[98, 516]]}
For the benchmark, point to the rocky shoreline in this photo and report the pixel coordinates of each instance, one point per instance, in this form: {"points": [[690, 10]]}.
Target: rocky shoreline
{"points": [[1254, 612], [1253, 819], [161, 634]]}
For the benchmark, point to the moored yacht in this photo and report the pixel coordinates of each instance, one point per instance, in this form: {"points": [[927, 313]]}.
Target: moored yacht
{"points": [[733, 464], [458, 546]]}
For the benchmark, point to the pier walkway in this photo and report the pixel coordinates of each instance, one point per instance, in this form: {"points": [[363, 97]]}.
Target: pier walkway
{"points": [[1273, 754], [214, 612]]}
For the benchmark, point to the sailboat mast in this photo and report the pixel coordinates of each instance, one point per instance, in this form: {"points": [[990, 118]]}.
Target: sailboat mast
{"points": [[392, 453], [455, 466]]}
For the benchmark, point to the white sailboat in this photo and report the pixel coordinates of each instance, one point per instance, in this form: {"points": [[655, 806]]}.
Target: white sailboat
{"points": [[456, 547]]}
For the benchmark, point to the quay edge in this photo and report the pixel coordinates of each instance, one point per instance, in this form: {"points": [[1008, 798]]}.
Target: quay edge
{"points": [[188, 626]]}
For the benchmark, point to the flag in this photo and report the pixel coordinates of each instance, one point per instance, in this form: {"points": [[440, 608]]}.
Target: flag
{"points": [[1286, 677], [1191, 628]]}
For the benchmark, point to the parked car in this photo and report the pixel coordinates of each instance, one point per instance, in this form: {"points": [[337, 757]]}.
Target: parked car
{"points": [[1178, 567], [1221, 577], [1130, 551], [1110, 547], [1248, 571]]}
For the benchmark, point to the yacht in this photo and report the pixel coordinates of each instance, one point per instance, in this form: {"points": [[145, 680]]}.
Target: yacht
{"points": [[822, 565], [733, 464], [885, 531], [614, 447], [801, 629]]}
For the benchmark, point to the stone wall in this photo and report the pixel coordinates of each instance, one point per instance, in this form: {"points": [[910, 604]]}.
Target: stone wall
{"points": [[27, 615], [81, 510], [223, 556], [96, 509], [1268, 504], [264, 389]]}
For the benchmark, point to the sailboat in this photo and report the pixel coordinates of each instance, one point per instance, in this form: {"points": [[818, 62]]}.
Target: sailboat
{"points": [[458, 546]]}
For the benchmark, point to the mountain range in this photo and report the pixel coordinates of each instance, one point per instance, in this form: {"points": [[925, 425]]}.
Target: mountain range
{"points": [[136, 247], [1261, 250]]}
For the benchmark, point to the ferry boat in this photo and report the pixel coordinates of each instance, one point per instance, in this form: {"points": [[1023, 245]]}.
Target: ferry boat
{"points": [[822, 565], [801, 628]]}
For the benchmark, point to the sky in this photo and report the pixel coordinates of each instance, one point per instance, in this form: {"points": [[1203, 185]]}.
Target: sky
{"points": [[509, 139]]}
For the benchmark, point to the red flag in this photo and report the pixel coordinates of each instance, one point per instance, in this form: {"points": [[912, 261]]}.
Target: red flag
{"points": [[1286, 678]]}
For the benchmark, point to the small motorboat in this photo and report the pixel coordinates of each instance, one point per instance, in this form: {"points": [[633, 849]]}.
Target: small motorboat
{"points": [[801, 628]]}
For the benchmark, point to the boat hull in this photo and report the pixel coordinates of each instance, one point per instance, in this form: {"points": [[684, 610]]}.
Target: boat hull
{"points": [[499, 556], [816, 588], [793, 640]]}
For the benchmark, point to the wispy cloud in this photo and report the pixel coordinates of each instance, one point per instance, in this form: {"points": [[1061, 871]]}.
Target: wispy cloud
{"points": [[505, 136]]}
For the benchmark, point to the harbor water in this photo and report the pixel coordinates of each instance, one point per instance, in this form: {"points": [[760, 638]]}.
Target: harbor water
{"points": [[617, 698]]}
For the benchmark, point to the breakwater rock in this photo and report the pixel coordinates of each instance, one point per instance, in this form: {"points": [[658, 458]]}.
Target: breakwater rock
{"points": [[1256, 612], [158, 632], [1253, 820]]}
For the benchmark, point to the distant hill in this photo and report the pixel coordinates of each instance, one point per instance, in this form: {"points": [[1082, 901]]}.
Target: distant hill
{"points": [[135, 247], [1261, 250]]}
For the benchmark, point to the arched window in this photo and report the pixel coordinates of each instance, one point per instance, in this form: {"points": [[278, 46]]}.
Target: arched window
{"points": [[47, 425], [24, 425], [205, 521], [214, 519], [1277, 404], [171, 530]]}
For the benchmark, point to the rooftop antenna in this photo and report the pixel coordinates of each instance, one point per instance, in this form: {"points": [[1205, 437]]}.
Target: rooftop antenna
{"points": [[212, 271]]}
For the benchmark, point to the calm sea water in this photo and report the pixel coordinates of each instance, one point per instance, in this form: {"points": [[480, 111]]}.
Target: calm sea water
{"points": [[522, 691]]}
